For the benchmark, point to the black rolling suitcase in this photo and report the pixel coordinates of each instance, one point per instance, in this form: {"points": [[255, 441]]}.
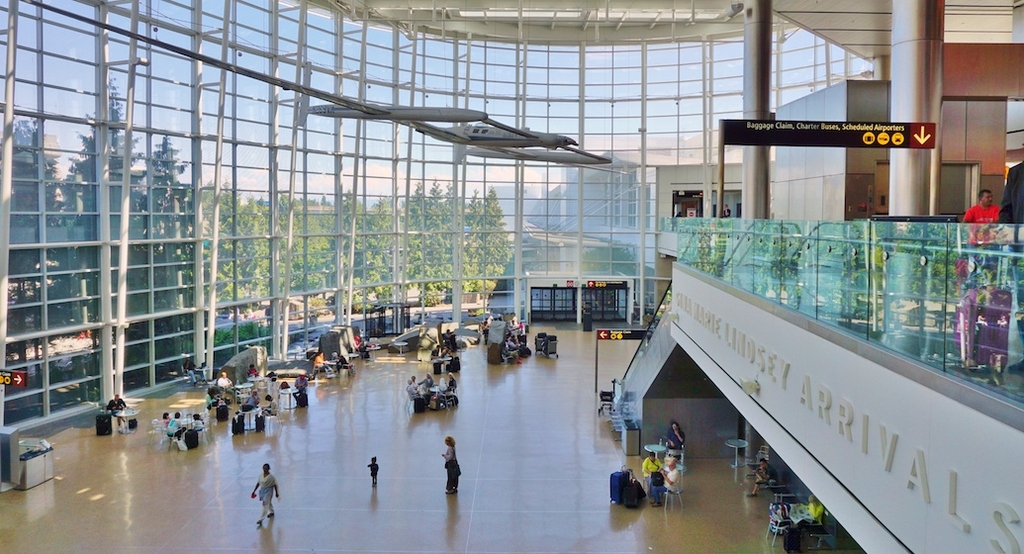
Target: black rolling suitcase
{"points": [[223, 414], [437, 368], [261, 423], [455, 365], [630, 498], [133, 424], [301, 400], [419, 404], [103, 426], [191, 439], [791, 539], [238, 425]]}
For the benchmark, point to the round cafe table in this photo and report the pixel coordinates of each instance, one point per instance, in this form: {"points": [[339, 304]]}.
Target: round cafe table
{"points": [[127, 414], [736, 445], [400, 345], [372, 348], [658, 449]]}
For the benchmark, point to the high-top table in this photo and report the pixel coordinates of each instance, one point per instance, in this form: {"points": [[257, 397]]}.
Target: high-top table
{"points": [[736, 445]]}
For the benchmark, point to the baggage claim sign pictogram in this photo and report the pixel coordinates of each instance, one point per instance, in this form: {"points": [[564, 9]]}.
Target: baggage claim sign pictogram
{"points": [[755, 132]]}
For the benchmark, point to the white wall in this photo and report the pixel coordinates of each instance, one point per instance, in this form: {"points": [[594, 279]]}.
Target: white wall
{"points": [[877, 448]]}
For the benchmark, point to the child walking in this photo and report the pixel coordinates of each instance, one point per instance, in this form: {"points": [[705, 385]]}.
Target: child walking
{"points": [[373, 469]]}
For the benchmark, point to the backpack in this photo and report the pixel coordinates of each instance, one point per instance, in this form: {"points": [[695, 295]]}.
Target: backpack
{"points": [[657, 479]]}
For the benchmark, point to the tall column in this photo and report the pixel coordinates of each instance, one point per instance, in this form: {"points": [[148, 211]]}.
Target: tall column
{"points": [[757, 69], [916, 96], [7, 182]]}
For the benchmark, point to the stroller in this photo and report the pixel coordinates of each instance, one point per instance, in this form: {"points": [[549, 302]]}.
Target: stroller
{"points": [[546, 344]]}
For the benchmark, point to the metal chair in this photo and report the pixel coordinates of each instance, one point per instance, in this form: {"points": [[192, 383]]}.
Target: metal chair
{"points": [[778, 521]]}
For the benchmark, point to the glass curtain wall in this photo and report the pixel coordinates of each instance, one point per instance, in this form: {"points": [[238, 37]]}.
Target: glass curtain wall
{"points": [[382, 214]]}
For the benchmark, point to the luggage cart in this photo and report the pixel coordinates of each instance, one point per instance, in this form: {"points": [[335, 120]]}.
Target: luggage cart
{"points": [[548, 346]]}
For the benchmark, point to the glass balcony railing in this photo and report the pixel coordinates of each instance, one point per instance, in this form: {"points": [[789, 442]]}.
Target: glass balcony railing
{"points": [[948, 295]]}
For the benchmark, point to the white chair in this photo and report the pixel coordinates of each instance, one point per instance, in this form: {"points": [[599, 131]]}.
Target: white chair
{"points": [[158, 430], [671, 496], [778, 521]]}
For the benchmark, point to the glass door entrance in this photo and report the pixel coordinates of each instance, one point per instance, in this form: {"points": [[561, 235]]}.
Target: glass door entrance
{"points": [[553, 304]]}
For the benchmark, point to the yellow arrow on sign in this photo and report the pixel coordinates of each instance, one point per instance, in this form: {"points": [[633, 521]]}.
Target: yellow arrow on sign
{"points": [[921, 137]]}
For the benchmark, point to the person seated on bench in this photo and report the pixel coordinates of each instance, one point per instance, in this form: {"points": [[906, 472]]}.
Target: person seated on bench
{"points": [[816, 509], [766, 477]]}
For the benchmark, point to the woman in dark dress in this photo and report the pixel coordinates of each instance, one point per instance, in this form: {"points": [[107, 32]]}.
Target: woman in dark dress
{"points": [[676, 437]]}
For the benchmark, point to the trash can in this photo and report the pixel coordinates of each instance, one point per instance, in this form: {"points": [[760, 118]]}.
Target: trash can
{"points": [[588, 321], [630, 438], [36, 458]]}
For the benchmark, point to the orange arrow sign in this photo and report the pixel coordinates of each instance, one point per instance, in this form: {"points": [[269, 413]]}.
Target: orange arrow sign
{"points": [[17, 379], [602, 334]]}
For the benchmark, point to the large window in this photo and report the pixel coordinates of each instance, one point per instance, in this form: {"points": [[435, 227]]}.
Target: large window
{"points": [[366, 212]]}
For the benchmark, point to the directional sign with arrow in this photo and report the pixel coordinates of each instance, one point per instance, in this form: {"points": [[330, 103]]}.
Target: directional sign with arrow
{"points": [[13, 378], [620, 334], [848, 134]]}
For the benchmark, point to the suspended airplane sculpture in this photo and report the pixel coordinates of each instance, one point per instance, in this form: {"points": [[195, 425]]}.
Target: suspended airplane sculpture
{"points": [[490, 139], [511, 144]]}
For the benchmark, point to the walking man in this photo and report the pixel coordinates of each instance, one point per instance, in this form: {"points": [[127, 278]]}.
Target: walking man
{"points": [[267, 486]]}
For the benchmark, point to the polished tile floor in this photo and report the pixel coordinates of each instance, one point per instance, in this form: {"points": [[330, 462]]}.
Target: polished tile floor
{"points": [[535, 457]]}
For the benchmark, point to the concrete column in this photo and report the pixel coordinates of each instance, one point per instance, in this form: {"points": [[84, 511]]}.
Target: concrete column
{"points": [[882, 68], [757, 69], [916, 96], [1018, 24]]}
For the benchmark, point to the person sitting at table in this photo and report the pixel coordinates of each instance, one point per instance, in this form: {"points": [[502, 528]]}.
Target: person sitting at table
{"points": [[301, 382], [411, 389], [816, 509], [197, 422], [442, 385], [174, 427], [676, 438], [271, 408], [212, 398], [223, 382], [318, 360], [451, 382], [189, 369], [766, 476], [117, 404], [673, 479], [426, 383], [253, 372], [252, 402], [335, 358], [651, 466], [165, 420]]}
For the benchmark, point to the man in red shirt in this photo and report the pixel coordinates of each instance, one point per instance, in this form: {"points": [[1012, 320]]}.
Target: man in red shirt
{"points": [[984, 211]]}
